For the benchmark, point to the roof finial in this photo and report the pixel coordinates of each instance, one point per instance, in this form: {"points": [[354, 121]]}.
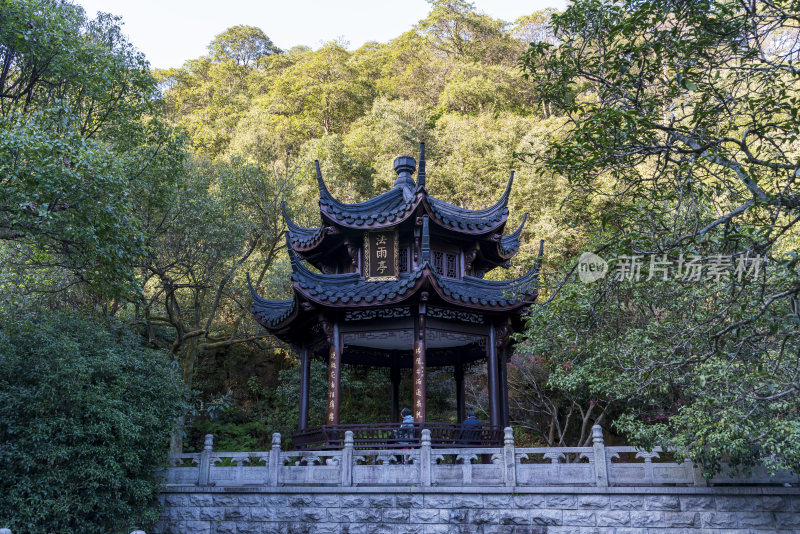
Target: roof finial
{"points": [[404, 166], [421, 172]]}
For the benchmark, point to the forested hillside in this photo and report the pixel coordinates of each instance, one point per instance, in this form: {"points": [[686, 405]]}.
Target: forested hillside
{"points": [[454, 81], [662, 136]]}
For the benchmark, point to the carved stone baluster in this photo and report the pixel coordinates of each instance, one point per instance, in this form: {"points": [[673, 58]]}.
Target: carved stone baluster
{"points": [[509, 464], [697, 474], [346, 463], [600, 460], [425, 467], [204, 475], [275, 460]]}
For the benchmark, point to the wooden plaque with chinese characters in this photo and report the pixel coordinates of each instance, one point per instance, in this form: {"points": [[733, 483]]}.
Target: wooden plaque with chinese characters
{"points": [[380, 255]]}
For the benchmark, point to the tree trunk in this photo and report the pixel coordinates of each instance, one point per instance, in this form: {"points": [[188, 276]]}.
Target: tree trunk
{"points": [[176, 440]]}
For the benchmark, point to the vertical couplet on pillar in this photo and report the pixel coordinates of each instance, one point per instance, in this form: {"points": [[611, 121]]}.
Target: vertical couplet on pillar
{"points": [[334, 371], [419, 362]]}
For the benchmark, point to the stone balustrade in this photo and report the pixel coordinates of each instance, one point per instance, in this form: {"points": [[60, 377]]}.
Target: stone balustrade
{"points": [[509, 466], [8, 531]]}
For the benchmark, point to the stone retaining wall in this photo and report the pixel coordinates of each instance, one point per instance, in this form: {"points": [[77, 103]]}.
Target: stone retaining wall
{"points": [[530, 510]]}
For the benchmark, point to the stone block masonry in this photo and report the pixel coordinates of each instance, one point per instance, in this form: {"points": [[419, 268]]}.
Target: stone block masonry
{"points": [[529, 510]]}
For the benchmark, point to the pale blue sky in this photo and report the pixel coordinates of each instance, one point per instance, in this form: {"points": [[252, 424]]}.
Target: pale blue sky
{"points": [[171, 31]]}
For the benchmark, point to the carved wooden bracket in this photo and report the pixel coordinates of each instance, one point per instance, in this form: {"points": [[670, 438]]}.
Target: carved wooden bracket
{"points": [[327, 328], [332, 230], [502, 335], [469, 258], [352, 251]]}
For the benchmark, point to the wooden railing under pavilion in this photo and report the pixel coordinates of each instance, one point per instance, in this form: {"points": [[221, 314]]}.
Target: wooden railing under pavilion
{"points": [[395, 436]]}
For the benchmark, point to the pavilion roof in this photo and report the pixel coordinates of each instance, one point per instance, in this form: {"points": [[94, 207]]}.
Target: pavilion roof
{"points": [[352, 290], [396, 205], [404, 201]]}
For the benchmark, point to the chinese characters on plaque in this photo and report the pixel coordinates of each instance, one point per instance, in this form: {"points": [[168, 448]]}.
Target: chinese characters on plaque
{"points": [[380, 255]]}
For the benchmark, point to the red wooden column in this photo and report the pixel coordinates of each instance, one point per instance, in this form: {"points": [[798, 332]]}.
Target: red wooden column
{"points": [[334, 372], [419, 362]]}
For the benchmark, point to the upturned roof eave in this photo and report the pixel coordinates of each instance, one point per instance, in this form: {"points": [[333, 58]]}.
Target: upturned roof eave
{"points": [[383, 211], [425, 279]]}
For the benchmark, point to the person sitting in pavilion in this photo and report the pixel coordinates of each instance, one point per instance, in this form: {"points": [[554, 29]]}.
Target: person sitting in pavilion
{"points": [[406, 431], [471, 429]]}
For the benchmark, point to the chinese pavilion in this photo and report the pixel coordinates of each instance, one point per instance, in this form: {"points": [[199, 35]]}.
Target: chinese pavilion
{"points": [[401, 285]]}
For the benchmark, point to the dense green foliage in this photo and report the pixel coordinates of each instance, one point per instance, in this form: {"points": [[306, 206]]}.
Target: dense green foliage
{"points": [[84, 423], [452, 81], [663, 129], [85, 407], [78, 140], [682, 140]]}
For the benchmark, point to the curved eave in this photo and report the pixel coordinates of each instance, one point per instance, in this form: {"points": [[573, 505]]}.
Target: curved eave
{"points": [[391, 210], [301, 238], [274, 315], [350, 290], [508, 245], [387, 209], [505, 295], [475, 222], [395, 206]]}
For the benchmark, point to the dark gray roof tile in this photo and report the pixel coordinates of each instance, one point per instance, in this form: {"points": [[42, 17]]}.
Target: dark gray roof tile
{"points": [[270, 313]]}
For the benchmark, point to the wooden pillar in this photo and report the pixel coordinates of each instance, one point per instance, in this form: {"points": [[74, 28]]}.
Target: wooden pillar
{"points": [[458, 374], [395, 377], [305, 385], [505, 355], [492, 373], [419, 363], [334, 372]]}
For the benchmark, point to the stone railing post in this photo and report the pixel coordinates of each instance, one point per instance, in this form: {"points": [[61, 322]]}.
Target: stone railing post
{"points": [[697, 474], [5, 531], [204, 476], [346, 461], [509, 458], [425, 458], [600, 460], [134, 532], [275, 460]]}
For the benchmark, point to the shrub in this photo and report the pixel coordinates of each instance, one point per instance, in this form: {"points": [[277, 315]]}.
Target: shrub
{"points": [[85, 419]]}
